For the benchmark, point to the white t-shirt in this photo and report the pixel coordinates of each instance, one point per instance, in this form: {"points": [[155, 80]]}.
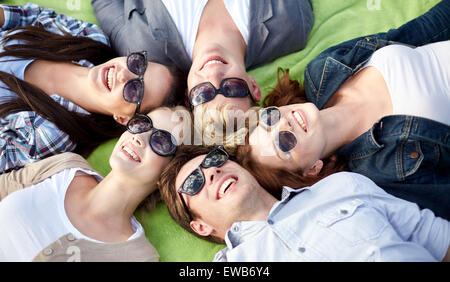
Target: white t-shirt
{"points": [[186, 15], [418, 79], [33, 218]]}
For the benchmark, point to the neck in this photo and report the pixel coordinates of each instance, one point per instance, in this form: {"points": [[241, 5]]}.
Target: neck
{"points": [[216, 27], [339, 131], [113, 199], [63, 78], [263, 202]]}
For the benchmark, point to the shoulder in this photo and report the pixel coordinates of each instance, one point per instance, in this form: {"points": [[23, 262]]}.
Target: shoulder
{"points": [[346, 182]]}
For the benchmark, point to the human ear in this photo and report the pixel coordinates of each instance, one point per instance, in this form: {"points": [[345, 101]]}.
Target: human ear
{"points": [[121, 120], [315, 169], [255, 89], [201, 228]]}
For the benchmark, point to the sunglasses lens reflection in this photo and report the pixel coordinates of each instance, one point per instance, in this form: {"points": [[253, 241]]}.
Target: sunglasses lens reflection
{"points": [[193, 183], [139, 124], [270, 116], [286, 141], [137, 63], [202, 94], [235, 88], [215, 158], [162, 142], [133, 90]]}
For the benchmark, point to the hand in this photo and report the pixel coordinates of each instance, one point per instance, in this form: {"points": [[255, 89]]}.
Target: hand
{"points": [[2, 17], [447, 256]]}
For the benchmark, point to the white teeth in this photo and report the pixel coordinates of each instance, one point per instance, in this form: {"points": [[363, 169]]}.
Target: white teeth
{"points": [[299, 118], [225, 185], [213, 62], [108, 76], [131, 153]]}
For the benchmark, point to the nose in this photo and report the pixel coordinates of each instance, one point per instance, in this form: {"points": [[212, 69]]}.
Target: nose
{"points": [[137, 139], [212, 174], [285, 124], [214, 76], [124, 75]]}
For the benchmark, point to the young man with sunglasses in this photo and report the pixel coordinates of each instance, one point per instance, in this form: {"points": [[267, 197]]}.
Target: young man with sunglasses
{"points": [[241, 34], [344, 217]]}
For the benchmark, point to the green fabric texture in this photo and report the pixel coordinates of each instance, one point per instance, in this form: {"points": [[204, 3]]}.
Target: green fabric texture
{"points": [[335, 22]]}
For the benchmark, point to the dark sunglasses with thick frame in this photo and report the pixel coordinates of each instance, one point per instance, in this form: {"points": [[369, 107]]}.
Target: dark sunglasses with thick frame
{"points": [[162, 142], [269, 117], [133, 90], [231, 87], [195, 181]]}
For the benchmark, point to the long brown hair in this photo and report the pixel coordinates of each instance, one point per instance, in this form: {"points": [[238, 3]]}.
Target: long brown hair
{"points": [[286, 92], [87, 131]]}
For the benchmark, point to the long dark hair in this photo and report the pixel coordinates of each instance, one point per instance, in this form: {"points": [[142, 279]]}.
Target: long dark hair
{"points": [[87, 131]]}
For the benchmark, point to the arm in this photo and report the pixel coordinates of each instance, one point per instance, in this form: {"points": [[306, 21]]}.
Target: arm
{"points": [[15, 15], [26, 137], [2, 17], [32, 14], [414, 225], [433, 26], [447, 256]]}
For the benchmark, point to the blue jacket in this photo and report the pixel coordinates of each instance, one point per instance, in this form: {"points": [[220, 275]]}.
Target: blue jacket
{"points": [[408, 156]]}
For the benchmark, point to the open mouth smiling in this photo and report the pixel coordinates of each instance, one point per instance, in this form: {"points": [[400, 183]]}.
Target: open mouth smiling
{"points": [[225, 186]]}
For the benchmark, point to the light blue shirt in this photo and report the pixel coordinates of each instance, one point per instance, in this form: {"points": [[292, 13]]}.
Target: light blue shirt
{"points": [[344, 217]]}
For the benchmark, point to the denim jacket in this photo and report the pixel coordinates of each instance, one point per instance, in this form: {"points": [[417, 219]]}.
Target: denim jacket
{"points": [[403, 154]]}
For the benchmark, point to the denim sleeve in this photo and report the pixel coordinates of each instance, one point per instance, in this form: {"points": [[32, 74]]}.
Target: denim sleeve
{"points": [[433, 26]]}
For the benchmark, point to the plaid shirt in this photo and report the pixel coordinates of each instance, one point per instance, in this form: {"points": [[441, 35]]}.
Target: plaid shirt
{"points": [[26, 136]]}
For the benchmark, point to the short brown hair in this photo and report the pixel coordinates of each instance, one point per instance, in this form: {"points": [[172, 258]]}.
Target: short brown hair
{"points": [[169, 192]]}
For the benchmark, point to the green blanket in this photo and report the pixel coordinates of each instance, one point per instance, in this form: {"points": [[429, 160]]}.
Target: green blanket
{"points": [[336, 21]]}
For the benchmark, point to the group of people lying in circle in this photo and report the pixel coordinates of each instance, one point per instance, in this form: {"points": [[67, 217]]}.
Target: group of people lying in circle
{"points": [[351, 165]]}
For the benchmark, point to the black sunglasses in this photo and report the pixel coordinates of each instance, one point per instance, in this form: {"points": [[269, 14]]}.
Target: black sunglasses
{"points": [[195, 181], [285, 140], [229, 87], [162, 142], [133, 91]]}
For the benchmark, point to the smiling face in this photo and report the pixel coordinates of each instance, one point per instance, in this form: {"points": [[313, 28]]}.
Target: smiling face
{"points": [[133, 157], [107, 81], [303, 120], [213, 64], [230, 194]]}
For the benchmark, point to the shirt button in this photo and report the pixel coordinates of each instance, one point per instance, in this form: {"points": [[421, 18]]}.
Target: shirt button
{"points": [[301, 249], [270, 222], [48, 251], [414, 155], [344, 211], [235, 229], [70, 237]]}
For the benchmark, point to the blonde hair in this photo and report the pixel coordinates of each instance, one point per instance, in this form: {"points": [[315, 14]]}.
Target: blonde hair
{"points": [[224, 125], [182, 112]]}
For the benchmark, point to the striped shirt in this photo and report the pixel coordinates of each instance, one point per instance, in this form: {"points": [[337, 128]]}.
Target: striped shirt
{"points": [[26, 136]]}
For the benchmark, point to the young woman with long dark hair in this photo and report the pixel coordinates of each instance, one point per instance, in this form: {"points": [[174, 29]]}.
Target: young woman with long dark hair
{"points": [[62, 87]]}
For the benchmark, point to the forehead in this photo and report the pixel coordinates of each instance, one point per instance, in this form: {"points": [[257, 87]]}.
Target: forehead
{"points": [[164, 118], [187, 168]]}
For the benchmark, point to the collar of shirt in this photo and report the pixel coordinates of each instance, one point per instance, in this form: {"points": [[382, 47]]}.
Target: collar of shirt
{"points": [[243, 230]]}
